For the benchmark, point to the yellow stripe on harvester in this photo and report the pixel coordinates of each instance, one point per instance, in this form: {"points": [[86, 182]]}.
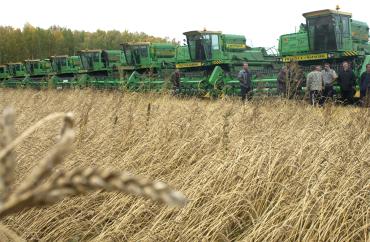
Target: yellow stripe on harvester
{"points": [[186, 65], [236, 46], [216, 62], [305, 57], [350, 53]]}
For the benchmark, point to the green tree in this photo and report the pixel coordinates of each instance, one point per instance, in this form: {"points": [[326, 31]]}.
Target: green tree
{"points": [[33, 42]]}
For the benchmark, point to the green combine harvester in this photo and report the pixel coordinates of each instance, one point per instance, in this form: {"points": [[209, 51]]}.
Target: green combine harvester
{"points": [[328, 36], [100, 68], [65, 70], [149, 65], [16, 75], [216, 59], [38, 73]]}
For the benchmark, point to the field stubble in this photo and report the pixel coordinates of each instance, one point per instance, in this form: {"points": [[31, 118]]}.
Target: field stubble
{"points": [[269, 170]]}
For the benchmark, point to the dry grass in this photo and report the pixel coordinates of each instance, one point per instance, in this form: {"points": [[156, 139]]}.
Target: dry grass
{"points": [[264, 171]]}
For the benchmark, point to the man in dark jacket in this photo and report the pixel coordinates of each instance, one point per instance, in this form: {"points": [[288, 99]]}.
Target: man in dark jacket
{"points": [[365, 84], [281, 81], [347, 82], [245, 78], [175, 79]]}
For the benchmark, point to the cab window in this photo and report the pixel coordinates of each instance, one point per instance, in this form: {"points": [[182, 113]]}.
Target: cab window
{"points": [[215, 43]]}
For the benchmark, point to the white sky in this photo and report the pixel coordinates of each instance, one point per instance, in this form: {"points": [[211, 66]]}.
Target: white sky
{"points": [[261, 21]]}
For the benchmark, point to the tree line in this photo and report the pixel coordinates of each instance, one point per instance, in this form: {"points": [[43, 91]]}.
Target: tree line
{"points": [[34, 42]]}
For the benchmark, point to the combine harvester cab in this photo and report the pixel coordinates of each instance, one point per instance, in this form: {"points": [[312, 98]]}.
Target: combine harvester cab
{"points": [[219, 57], [17, 75], [327, 36], [101, 68], [65, 70], [149, 65], [39, 73]]}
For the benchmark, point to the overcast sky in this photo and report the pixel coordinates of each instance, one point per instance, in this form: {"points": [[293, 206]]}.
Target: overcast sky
{"points": [[261, 21]]}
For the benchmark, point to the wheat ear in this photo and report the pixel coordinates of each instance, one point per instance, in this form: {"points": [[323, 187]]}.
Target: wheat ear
{"points": [[81, 181], [32, 192]]}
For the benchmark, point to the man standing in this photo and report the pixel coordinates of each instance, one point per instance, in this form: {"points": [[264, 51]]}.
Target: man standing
{"points": [[295, 80], [347, 81], [315, 85], [365, 85], [175, 79], [245, 79], [329, 76], [281, 81]]}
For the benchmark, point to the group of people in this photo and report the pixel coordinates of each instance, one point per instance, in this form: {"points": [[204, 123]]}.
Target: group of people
{"points": [[320, 84], [284, 86]]}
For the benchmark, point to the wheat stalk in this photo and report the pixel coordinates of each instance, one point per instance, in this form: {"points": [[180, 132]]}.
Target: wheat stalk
{"points": [[34, 192], [7, 235], [7, 162], [11, 146], [52, 158]]}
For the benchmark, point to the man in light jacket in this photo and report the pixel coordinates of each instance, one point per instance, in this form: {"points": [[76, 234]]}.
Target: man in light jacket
{"points": [[329, 76], [315, 86]]}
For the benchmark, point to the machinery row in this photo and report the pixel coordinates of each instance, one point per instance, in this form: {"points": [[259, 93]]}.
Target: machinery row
{"points": [[208, 63]]}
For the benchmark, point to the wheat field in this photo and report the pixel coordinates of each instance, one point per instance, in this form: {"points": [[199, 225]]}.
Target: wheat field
{"points": [[270, 170]]}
